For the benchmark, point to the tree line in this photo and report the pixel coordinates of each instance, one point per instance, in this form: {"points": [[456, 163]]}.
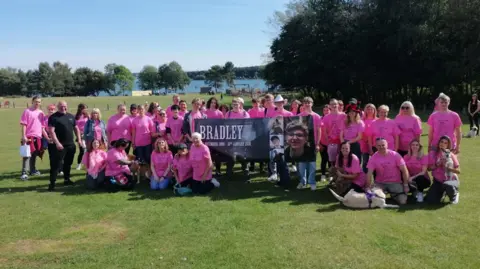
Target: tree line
{"points": [[378, 51]]}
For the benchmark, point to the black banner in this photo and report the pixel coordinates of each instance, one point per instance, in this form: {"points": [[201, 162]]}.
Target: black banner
{"points": [[258, 139]]}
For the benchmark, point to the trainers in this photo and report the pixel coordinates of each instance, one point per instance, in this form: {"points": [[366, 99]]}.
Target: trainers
{"points": [[313, 187], [293, 169], [36, 173], [24, 177], [273, 178], [300, 186], [323, 178], [215, 183], [419, 197], [456, 198], [68, 182], [79, 166]]}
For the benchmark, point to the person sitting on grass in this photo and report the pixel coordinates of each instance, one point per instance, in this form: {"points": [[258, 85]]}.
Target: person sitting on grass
{"points": [[349, 168], [161, 164], [444, 171], [182, 167], [118, 170], [95, 161], [390, 169], [417, 164]]}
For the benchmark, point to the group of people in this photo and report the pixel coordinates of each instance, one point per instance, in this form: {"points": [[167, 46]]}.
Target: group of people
{"points": [[365, 146]]}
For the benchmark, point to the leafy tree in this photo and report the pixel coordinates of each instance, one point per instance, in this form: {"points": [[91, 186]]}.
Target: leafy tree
{"points": [[148, 77], [172, 76], [9, 82], [88, 82], [110, 80], [229, 73], [62, 80], [215, 76], [124, 79], [43, 78]]}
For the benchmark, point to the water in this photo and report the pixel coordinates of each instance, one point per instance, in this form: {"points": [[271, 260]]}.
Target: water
{"points": [[195, 85]]}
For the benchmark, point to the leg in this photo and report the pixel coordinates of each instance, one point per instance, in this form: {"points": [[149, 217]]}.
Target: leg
{"points": [[324, 156], [148, 153], [470, 119], [202, 188], [355, 148], [252, 167], [154, 184], [422, 183], [55, 157], [33, 160], [311, 171], [302, 173], [81, 151], [365, 158], [451, 188], [25, 167], [397, 193], [282, 167], [69, 154], [435, 193], [475, 121]]}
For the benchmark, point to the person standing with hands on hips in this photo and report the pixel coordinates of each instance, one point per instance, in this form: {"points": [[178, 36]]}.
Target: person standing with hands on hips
{"points": [[61, 126]]}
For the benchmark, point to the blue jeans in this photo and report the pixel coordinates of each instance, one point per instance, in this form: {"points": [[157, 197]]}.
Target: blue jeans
{"points": [[160, 185], [306, 170], [365, 158]]}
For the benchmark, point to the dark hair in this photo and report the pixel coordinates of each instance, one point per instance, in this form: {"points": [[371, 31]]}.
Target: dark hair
{"points": [[254, 100], [80, 108], [274, 137], [151, 107], [122, 142], [182, 101], [299, 108], [224, 107], [35, 97], [340, 157], [209, 102], [174, 107]]}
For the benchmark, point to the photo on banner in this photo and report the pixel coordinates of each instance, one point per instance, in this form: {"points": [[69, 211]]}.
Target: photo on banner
{"points": [[299, 139]]}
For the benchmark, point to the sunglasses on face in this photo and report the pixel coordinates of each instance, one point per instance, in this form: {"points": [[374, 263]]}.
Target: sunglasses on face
{"points": [[405, 108], [379, 138], [162, 114]]}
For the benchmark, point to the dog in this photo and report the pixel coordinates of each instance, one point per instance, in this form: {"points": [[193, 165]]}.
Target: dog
{"points": [[139, 169], [472, 133], [337, 183], [373, 199], [449, 164]]}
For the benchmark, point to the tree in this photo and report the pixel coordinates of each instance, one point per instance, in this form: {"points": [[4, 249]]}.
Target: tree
{"points": [[88, 82], [229, 73], [43, 79], [214, 76], [147, 78], [62, 80], [9, 82], [172, 76], [124, 79], [110, 80]]}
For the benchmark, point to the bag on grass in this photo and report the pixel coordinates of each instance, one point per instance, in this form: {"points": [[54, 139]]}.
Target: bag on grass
{"points": [[181, 191]]}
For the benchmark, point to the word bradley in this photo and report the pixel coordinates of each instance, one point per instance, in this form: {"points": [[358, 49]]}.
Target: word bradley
{"points": [[221, 132]]}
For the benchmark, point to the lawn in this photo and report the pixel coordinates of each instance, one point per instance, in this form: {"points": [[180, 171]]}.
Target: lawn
{"points": [[237, 226]]}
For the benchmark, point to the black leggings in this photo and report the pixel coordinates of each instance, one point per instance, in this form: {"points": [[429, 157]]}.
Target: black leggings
{"points": [[354, 187], [198, 187], [421, 183], [81, 151], [324, 162], [473, 121]]}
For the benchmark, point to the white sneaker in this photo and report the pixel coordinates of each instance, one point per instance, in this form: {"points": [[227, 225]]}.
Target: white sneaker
{"points": [[419, 197], [313, 187], [215, 183], [300, 186], [60, 173], [24, 177], [79, 166], [293, 169], [456, 198], [273, 178], [323, 178]]}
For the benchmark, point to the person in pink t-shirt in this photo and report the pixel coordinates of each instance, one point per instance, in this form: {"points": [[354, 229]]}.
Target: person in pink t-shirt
{"points": [[182, 167], [95, 161], [332, 124], [81, 119], [142, 130], [369, 116], [279, 108], [120, 126], [160, 123], [183, 108], [444, 122], [173, 128], [351, 131], [224, 109], [237, 113], [324, 147], [161, 165], [189, 119], [391, 172], [348, 167], [385, 128], [117, 170], [410, 126], [295, 107], [445, 170], [417, 165], [212, 111], [176, 101], [32, 122], [153, 110], [199, 156], [256, 111]]}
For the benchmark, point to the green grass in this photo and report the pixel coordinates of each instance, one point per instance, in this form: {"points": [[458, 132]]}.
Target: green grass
{"points": [[237, 226]]}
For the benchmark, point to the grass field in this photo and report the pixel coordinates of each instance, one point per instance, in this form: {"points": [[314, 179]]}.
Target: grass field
{"points": [[237, 226]]}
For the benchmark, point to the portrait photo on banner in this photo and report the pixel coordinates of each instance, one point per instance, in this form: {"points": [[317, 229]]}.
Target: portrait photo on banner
{"points": [[299, 139]]}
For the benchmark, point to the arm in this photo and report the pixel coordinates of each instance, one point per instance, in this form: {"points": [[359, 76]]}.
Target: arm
{"points": [[430, 136], [167, 170], [79, 136], [397, 141], [405, 175], [209, 167], [478, 107], [458, 134], [341, 136], [53, 135], [468, 110], [24, 131], [369, 179], [349, 176], [455, 170], [319, 138], [423, 172], [154, 173], [133, 137], [358, 138]]}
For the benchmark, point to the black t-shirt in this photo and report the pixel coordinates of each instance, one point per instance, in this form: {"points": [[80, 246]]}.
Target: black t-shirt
{"points": [[64, 125]]}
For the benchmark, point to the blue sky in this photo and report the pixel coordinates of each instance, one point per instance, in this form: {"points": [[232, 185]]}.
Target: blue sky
{"points": [[93, 33]]}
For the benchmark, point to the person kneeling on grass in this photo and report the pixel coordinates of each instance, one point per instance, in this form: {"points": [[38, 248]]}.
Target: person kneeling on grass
{"points": [[417, 164], [161, 163], [118, 171], [182, 167], [95, 161], [390, 169], [445, 169], [201, 161], [349, 168]]}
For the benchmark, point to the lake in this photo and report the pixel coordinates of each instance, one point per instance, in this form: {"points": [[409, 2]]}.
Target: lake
{"points": [[195, 85]]}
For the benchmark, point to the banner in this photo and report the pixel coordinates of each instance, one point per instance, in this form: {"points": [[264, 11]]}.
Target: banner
{"points": [[258, 139]]}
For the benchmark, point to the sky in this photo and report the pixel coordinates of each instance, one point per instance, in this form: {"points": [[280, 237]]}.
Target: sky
{"points": [[92, 33]]}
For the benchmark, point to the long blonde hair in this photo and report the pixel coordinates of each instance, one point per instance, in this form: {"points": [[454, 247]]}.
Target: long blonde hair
{"points": [[420, 149], [411, 110], [157, 147], [374, 111]]}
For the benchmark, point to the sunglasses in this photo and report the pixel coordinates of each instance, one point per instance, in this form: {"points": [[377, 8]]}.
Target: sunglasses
{"points": [[379, 138], [162, 114], [405, 108]]}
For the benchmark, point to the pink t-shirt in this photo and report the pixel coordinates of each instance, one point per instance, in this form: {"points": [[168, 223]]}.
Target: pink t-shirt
{"points": [[34, 122], [354, 169], [387, 129], [439, 172], [119, 126], [193, 116], [444, 123], [256, 113], [198, 158], [241, 114], [283, 113], [387, 167], [214, 114], [367, 133], [332, 124], [415, 165], [94, 160], [351, 132], [175, 126], [182, 113], [317, 122], [161, 162], [81, 123], [160, 127], [143, 127], [169, 111], [113, 168], [410, 127], [184, 168], [98, 131]]}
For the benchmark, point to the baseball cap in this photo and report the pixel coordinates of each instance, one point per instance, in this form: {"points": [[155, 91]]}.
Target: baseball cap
{"points": [[133, 106]]}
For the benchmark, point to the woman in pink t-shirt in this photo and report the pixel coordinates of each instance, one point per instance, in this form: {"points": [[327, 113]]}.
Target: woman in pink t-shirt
{"points": [[417, 164], [256, 111], [176, 101], [142, 129], [324, 146], [295, 107], [212, 111], [182, 167], [385, 128], [183, 108], [332, 124], [224, 109], [81, 119], [160, 122], [410, 126], [95, 161], [118, 171], [202, 165], [352, 130], [445, 170], [348, 167], [153, 109], [120, 126], [161, 165], [369, 116], [444, 122]]}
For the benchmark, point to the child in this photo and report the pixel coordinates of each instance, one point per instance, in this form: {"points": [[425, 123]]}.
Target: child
{"points": [[161, 163], [95, 161], [182, 168]]}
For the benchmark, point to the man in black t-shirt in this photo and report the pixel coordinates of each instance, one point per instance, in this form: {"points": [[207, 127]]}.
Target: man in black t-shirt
{"points": [[61, 126]]}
